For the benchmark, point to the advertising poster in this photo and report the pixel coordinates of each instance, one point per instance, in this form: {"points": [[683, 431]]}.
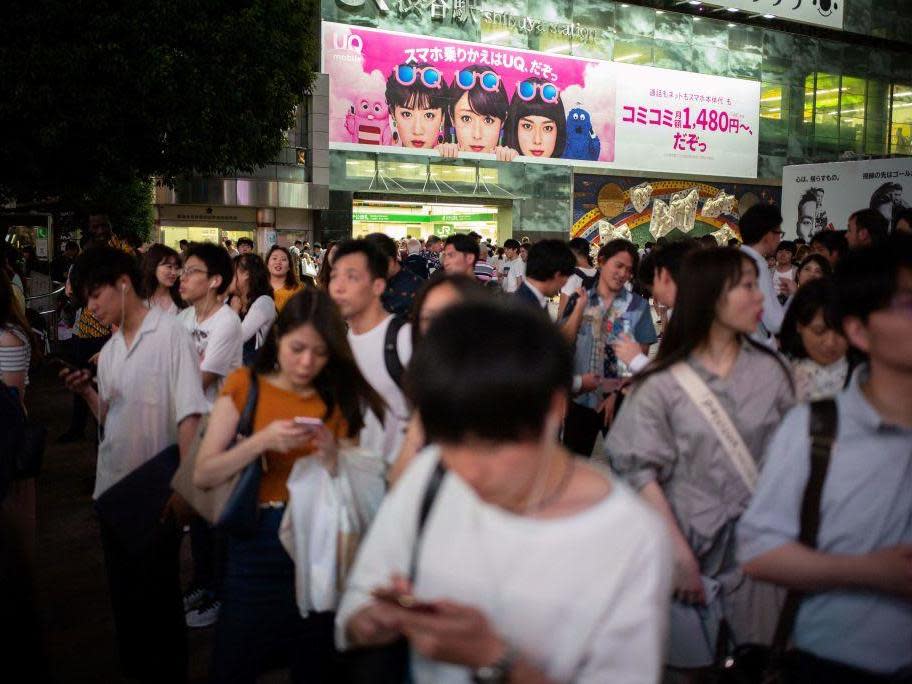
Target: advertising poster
{"points": [[819, 197], [426, 95], [623, 206], [827, 13]]}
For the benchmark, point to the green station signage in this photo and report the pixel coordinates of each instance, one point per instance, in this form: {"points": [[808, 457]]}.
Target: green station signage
{"points": [[375, 217]]}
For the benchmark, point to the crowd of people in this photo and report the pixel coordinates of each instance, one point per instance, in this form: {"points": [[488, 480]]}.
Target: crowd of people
{"points": [[619, 464]]}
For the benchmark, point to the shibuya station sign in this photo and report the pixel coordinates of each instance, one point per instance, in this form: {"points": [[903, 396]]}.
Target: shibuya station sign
{"points": [[827, 13], [469, 11], [427, 96]]}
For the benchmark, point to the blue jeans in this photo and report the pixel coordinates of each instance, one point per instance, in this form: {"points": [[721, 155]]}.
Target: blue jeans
{"points": [[259, 627]]}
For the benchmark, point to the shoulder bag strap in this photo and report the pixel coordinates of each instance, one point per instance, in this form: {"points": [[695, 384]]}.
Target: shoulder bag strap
{"points": [[822, 427], [427, 503], [708, 404], [391, 350], [245, 424]]}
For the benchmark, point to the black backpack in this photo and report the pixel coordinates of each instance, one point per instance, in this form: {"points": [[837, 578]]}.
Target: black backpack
{"points": [[391, 350], [588, 281]]}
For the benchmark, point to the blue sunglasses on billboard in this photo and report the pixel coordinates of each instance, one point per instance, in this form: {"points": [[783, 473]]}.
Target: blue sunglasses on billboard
{"points": [[526, 91], [406, 75], [488, 80]]}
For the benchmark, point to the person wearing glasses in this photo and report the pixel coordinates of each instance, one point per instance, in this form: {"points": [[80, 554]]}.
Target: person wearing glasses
{"points": [[536, 122], [761, 231], [477, 105], [417, 98]]}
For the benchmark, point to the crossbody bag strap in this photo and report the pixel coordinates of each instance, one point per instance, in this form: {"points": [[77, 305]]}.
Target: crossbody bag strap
{"points": [[391, 350], [427, 503], [708, 404], [824, 422], [245, 423]]}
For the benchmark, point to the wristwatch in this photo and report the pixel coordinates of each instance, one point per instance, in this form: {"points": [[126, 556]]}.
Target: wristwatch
{"points": [[499, 671]]}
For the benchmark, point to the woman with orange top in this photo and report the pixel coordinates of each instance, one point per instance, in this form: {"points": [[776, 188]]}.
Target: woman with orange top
{"points": [[283, 275], [305, 370]]}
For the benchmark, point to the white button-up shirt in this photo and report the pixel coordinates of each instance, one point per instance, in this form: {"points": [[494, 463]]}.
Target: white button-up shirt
{"points": [[773, 311], [149, 388]]}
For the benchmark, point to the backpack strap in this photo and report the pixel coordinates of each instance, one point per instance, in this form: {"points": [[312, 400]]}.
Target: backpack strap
{"points": [[823, 426], [427, 502], [391, 350]]}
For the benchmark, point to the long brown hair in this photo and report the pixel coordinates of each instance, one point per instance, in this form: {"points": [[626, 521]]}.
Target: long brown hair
{"points": [[340, 383], [156, 255], [291, 278], [12, 314], [706, 275]]}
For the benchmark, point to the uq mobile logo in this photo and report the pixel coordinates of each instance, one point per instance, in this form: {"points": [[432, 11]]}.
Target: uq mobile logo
{"points": [[825, 7], [349, 43]]}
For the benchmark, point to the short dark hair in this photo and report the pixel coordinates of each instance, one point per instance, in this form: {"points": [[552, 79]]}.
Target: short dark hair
{"points": [[868, 277], [103, 265], [872, 221], [617, 246], [384, 243], [512, 403], [510, 243], [668, 257], [759, 220], [228, 242], [432, 240], [71, 244], [468, 288], [818, 295], [787, 246], [581, 248], [547, 257], [832, 240], [377, 262], [183, 243], [734, 242], [464, 243], [217, 260], [245, 241], [818, 259]]}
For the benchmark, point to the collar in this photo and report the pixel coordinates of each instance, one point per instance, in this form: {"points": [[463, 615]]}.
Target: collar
{"points": [[542, 300], [148, 325], [755, 255], [858, 408]]}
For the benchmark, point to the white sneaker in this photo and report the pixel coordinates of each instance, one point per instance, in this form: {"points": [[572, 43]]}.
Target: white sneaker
{"points": [[205, 615], [193, 599]]}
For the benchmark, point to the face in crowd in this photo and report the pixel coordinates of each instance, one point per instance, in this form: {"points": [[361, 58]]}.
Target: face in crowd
{"points": [[740, 307], [278, 264], [352, 286]]}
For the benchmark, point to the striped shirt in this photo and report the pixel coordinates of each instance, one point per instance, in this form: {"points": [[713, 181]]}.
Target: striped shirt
{"points": [[484, 272], [16, 359]]}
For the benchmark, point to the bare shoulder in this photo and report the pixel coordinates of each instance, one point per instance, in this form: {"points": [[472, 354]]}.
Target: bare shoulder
{"points": [[8, 339]]}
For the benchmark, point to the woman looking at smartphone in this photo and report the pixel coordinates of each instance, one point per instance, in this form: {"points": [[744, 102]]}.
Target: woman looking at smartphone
{"points": [[304, 370]]}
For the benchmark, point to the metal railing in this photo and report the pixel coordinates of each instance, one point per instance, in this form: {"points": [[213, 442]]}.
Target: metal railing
{"points": [[49, 314]]}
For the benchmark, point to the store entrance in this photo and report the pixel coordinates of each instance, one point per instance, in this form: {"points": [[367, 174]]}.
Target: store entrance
{"points": [[423, 219], [172, 235]]}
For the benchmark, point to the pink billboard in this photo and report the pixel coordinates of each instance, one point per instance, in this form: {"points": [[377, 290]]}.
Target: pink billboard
{"points": [[396, 90]]}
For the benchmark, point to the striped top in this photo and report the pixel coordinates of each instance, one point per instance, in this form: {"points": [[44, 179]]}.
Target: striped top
{"points": [[484, 272], [15, 359]]}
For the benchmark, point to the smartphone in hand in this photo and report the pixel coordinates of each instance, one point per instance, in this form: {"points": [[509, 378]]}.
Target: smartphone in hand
{"points": [[403, 600]]}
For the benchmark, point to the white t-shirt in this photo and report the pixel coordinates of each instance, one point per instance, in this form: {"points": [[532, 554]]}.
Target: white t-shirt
{"points": [[584, 597], [149, 389], [383, 438], [779, 276], [259, 319], [514, 270], [218, 343], [574, 281]]}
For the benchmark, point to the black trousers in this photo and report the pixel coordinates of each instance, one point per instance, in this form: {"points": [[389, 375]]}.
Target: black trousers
{"points": [[147, 605], [806, 667], [81, 349], [581, 427]]}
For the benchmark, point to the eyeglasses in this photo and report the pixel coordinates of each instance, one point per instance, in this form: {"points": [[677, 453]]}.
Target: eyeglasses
{"points": [[526, 91], [190, 271], [406, 75], [488, 80]]}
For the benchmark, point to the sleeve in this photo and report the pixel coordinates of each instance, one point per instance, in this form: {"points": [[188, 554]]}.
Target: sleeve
{"points": [[186, 381], [772, 518], [387, 548], [639, 362], [630, 644], [223, 352], [645, 332], [641, 446], [773, 311], [262, 312], [573, 282], [236, 386], [404, 344], [15, 357], [102, 377]]}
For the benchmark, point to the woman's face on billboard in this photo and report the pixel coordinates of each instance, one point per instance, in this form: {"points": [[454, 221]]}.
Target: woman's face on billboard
{"points": [[475, 132], [537, 136], [418, 127]]}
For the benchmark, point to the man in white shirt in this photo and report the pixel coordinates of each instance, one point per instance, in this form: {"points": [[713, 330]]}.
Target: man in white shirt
{"points": [[214, 326], [514, 268], [761, 231], [149, 397], [218, 337], [357, 283]]}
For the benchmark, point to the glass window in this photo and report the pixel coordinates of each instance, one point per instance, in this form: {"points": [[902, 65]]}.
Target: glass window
{"points": [[901, 120], [772, 101]]}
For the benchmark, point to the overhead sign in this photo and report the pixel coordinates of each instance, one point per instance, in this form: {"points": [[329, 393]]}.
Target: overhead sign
{"points": [[819, 197], [434, 96], [827, 13]]}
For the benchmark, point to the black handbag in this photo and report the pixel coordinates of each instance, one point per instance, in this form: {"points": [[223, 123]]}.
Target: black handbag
{"points": [[390, 664], [242, 509], [761, 664], [23, 440]]}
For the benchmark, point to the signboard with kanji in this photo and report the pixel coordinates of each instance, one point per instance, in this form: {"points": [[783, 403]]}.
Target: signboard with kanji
{"points": [[430, 96]]}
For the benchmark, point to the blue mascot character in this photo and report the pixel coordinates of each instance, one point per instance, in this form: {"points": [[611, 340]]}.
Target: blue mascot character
{"points": [[582, 142]]}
